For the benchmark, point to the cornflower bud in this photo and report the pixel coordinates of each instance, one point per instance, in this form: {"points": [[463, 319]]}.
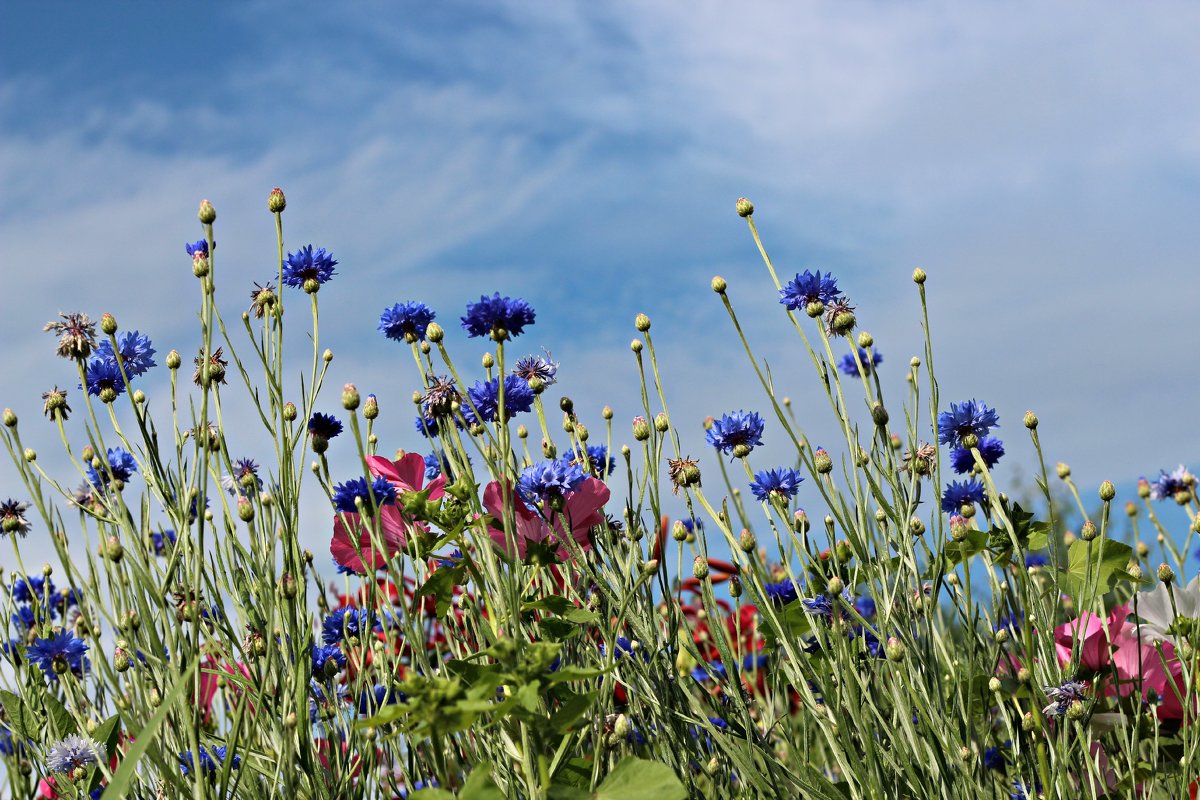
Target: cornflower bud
{"points": [[1088, 531], [641, 429], [1063, 470], [276, 202], [1166, 574], [994, 685], [642, 323], [743, 207], [661, 423], [1130, 508], [350, 397], [700, 567], [606, 412], [1031, 420], [879, 414], [10, 418], [916, 527], [835, 586], [735, 586], [679, 531], [822, 461], [719, 285], [245, 509], [918, 275], [1143, 549], [894, 649], [746, 541], [959, 528], [207, 214], [371, 407], [108, 323], [1107, 491]]}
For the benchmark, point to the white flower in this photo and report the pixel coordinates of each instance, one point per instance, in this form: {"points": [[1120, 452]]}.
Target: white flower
{"points": [[1158, 614], [72, 753]]}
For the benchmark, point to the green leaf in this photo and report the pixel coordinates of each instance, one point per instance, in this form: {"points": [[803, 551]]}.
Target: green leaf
{"points": [[21, 718], [571, 708], [441, 586], [107, 734], [61, 720], [958, 552], [126, 773], [1098, 564], [636, 779], [431, 794], [480, 786]]}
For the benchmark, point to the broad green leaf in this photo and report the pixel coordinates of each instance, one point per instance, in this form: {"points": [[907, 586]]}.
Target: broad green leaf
{"points": [[60, 719], [480, 786], [636, 779], [108, 734], [957, 552], [1096, 564], [21, 718]]}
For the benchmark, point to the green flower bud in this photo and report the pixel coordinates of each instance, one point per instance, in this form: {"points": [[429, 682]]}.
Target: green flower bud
{"points": [[10, 418], [287, 585], [746, 541], [1166, 574], [207, 214], [815, 309], [970, 440], [1062, 470], [371, 407], [276, 202], [30, 455], [661, 423], [822, 462], [1076, 711], [488, 361], [113, 550], [1143, 549], [879, 414], [139, 397], [719, 285], [865, 339], [289, 412], [700, 567], [434, 333], [641, 429], [108, 323], [1031, 420], [350, 398], [642, 323], [548, 449], [918, 275], [916, 527], [245, 509], [1088, 532], [835, 586], [994, 685], [1107, 491], [743, 207], [894, 649]]}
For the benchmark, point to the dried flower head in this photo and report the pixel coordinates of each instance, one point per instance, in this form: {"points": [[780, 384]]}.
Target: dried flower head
{"points": [[76, 335], [54, 404]]}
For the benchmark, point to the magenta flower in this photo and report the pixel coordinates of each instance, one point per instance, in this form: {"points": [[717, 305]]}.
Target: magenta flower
{"points": [[581, 510]]}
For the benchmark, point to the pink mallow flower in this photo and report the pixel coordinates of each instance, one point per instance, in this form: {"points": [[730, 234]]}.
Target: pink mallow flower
{"points": [[352, 537], [582, 511], [1094, 635], [1141, 666]]}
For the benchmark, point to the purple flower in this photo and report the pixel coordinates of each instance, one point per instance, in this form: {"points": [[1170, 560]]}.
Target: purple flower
{"points": [[736, 430], [869, 361], [308, 265], [406, 322], [971, 417], [59, 653], [518, 398], [808, 288], [497, 317], [990, 450], [959, 494], [782, 483]]}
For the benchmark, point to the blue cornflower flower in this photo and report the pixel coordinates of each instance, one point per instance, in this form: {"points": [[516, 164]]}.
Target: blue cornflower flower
{"points": [[737, 430], [1036, 560], [32, 589], [541, 368], [12, 517], [308, 265], [971, 417], [211, 759], [344, 494], [434, 465], [200, 247], [324, 426], [782, 593], [865, 606], [1024, 790], [428, 426], [345, 623], [1012, 621], [548, 482], [819, 606], [990, 449], [23, 618], [959, 494], [714, 670], [1167, 485], [373, 699], [135, 349], [753, 662], [72, 753], [875, 648], [494, 314], [162, 542], [327, 661], [993, 758], [518, 398], [406, 322], [625, 647], [121, 464], [808, 288], [9, 746], [781, 483], [1061, 697], [850, 367], [450, 560], [600, 464], [59, 653], [101, 374]]}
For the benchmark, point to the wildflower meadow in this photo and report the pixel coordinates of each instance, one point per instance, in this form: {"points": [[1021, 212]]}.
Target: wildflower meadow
{"points": [[522, 595]]}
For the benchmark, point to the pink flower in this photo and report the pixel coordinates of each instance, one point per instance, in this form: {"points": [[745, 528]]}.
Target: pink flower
{"points": [[1139, 665], [582, 512], [352, 537], [210, 680], [1094, 635]]}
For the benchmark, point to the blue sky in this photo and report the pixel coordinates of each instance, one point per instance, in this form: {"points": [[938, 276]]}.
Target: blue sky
{"points": [[1042, 163]]}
